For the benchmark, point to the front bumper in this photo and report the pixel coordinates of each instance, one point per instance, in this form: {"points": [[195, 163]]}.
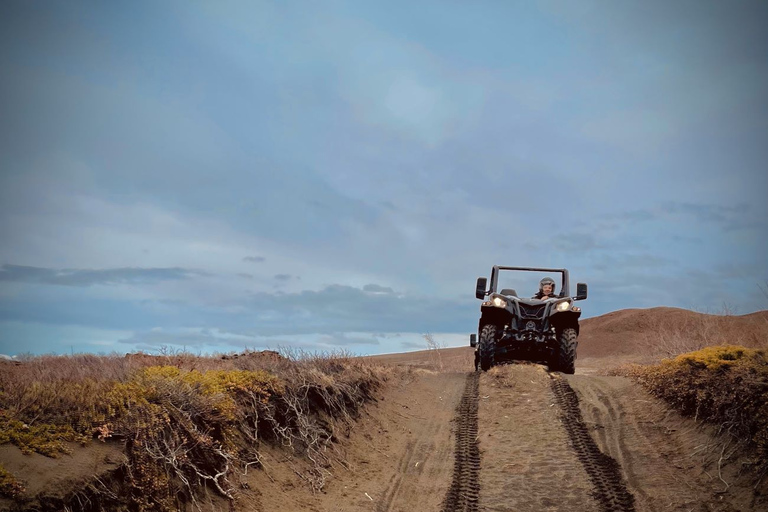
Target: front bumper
{"points": [[526, 345]]}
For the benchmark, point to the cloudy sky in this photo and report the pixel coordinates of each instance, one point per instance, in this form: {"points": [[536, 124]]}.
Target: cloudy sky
{"points": [[214, 176]]}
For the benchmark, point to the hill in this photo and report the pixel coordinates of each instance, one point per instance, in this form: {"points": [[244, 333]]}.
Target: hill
{"points": [[663, 331]]}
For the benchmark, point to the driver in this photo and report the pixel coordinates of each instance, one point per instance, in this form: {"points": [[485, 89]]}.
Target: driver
{"points": [[546, 289]]}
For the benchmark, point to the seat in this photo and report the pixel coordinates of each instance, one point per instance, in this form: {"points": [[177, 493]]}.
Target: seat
{"points": [[509, 292]]}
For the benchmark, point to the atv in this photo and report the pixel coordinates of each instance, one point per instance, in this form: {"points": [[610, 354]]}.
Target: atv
{"points": [[514, 328]]}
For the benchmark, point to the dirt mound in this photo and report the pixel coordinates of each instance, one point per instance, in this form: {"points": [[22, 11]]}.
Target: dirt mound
{"points": [[664, 331]]}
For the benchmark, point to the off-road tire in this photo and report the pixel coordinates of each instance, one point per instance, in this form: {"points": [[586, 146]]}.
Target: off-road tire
{"points": [[487, 346], [566, 356]]}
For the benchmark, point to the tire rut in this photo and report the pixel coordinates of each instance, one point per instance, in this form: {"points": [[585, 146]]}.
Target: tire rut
{"points": [[465, 488], [604, 472]]}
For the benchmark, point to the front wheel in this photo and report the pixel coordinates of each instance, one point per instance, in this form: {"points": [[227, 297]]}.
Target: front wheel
{"points": [[566, 356], [487, 346]]}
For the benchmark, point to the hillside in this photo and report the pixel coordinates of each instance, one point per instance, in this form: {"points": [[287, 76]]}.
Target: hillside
{"points": [[664, 331]]}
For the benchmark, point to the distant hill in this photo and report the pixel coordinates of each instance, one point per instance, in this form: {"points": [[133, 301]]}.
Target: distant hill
{"points": [[666, 331]]}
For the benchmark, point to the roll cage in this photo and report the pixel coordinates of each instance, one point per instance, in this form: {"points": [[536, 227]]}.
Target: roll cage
{"points": [[564, 287]]}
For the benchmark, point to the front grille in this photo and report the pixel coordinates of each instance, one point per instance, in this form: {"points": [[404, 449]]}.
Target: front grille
{"points": [[536, 311]]}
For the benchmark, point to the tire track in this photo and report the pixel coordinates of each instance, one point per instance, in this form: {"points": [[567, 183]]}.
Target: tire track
{"points": [[465, 488], [604, 472]]}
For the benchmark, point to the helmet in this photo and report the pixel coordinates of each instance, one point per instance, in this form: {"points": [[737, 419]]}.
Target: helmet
{"points": [[547, 280]]}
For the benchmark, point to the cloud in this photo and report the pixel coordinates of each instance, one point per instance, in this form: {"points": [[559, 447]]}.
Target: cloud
{"points": [[729, 217], [283, 277], [576, 242], [346, 339], [255, 259], [193, 338], [342, 308], [90, 277], [375, 288], [619, 262], [245, 275]]}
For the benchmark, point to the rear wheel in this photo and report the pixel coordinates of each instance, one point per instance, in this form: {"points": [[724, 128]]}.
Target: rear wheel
{"points": [[566, 356], [487, 346]]}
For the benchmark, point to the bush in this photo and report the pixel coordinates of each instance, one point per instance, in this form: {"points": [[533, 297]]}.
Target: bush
{"points": [[725, 385], [9, 486], [187, 425]]}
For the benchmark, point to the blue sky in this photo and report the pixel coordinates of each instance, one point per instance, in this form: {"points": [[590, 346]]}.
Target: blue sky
{"points": [[212, 176]]}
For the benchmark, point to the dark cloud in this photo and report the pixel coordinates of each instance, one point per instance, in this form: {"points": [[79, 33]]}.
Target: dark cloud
{"points": [[255, 259], [576, 242], [340, 308], [154, 340], [89, 277], [729, 218], [343, 339], [619, 262], [635, 216], [375, 288], [386, 335], [740, 216], [74, 308]]}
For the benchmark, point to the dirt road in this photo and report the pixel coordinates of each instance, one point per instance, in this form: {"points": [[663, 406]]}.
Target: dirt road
{"points": [[518, 438]]}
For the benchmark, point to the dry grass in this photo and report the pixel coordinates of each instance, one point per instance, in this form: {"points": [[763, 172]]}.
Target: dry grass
{"points": [[434, 351], [188, 422], [695, 333], [723, 385], [10, 487]]}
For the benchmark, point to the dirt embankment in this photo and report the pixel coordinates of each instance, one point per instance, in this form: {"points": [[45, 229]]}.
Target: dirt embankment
{"points": [[400, 456]]}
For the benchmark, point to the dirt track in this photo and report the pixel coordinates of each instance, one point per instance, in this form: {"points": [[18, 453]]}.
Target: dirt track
{"points": [[517, 438]]}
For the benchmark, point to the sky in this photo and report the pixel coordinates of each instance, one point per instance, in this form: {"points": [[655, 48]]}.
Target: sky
{"points": [[220, 176]]}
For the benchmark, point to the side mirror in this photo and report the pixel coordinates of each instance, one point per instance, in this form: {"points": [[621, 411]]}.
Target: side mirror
{"points": [[482, 282], [581, 291], [473, 340]]}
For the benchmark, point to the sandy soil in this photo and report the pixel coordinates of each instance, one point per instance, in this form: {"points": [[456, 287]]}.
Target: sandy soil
{"points": [[669, 462], [526, 462], [51, 479], [398, 458]]}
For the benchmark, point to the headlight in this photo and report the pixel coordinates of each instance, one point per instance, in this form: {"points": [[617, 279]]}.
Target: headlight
{"points": [[563, 306], [499, 302]]}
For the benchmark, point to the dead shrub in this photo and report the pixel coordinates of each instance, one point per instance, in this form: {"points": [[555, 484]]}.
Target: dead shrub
{"points": [[191, 426], [723, 385], [10, 487]]}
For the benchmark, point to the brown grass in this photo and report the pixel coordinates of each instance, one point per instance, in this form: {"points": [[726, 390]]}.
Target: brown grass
{"points": [[188, 422], [697, 332], [723, 385]]}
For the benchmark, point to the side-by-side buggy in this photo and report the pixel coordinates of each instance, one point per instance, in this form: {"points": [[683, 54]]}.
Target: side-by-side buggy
{"points": [[515, 328]]}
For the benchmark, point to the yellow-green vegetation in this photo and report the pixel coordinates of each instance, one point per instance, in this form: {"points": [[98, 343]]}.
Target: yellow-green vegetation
{"points": [[10, 487], [725, 385], [42, 438], [184, 426]]}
